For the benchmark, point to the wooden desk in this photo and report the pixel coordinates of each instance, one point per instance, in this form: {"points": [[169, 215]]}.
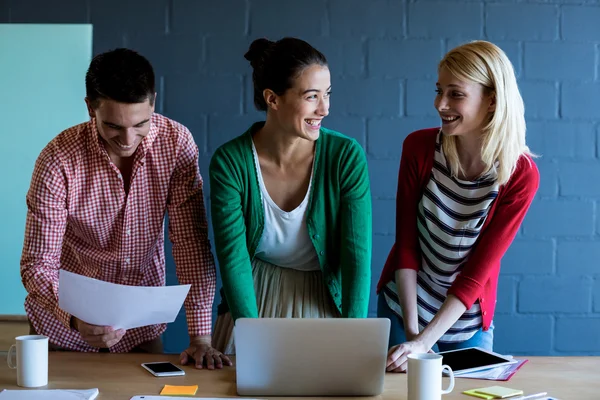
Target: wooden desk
{"points": [[119, 376], [12, 326]]}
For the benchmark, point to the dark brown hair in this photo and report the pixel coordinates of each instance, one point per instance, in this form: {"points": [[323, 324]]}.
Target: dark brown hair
{"points": [[277, 64]]}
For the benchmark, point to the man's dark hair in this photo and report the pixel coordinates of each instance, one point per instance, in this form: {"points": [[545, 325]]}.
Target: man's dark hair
{"points": [[121, 75], [277, 64]]}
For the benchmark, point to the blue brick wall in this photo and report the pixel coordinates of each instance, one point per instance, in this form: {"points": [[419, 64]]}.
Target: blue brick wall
{"points": [[383, 56]]}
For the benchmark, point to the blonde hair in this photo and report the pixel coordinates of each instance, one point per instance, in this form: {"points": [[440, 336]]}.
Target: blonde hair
{"points": [[504, 136]]}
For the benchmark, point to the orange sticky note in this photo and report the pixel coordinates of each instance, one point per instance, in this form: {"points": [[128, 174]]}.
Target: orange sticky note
{"points": [[179, 390]]}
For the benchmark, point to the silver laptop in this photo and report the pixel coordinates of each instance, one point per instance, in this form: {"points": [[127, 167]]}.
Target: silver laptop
{"points": [[310, 356]]}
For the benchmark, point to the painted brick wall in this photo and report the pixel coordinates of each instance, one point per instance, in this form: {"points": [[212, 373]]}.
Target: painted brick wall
{"points": [[383, 56]]}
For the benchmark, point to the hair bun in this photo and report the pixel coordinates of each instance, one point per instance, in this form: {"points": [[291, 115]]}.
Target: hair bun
{"points": [[257, 50]]}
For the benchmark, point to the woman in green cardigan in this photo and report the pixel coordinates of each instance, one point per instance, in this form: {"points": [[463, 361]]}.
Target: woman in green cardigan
{"points": [[290, 201]]}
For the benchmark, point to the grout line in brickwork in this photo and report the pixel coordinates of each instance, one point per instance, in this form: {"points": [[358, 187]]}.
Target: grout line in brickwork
{"points": [[595, 217], [405, 20], [326, 29], [161, 95], [367, 139], [364, 125], [597, 133], [554, 255], [206, 133], [595, 280], [558, 86], [403, 98], [88, 12], [517, 297], [521, 60], [482, 17], [366, 57], [367, 136], [560, 22], [597, 63], [592, 281], [517, 281], [205, 141], [204, 51], [484, 25], [168, 13], [247, 18], [365, 51], [445, 46], [568, 314], [553, 327], [244, 94]]}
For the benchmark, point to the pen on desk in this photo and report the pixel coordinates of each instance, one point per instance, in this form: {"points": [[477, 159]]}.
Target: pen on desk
{"points": [[530, 396]]}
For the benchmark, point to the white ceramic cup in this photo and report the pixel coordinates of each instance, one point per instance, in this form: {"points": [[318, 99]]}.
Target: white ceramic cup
{"points": [[32, 360], [425, 377]]}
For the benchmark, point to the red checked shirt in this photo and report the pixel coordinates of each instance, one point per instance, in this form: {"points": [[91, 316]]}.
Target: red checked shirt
{"points": [[81, 220]]}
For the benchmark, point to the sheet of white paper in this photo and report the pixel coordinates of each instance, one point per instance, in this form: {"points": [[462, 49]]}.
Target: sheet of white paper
{"points": [[52, 394], [499, 373], [492, 373], [120, 306]]}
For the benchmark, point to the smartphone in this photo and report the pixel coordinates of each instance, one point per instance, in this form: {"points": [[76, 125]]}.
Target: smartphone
{"points": [[163, 369]]}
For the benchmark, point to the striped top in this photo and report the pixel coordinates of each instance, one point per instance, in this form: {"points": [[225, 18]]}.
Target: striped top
{"points": [[450, 216]]}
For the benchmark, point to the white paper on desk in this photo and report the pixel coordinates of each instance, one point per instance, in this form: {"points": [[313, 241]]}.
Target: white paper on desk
{"points": [[501, 373], [52, 394], [120, 306], [491, 374]]}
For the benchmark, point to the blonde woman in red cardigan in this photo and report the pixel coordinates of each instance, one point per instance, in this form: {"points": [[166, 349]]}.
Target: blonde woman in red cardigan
{"points": [[463, 191]]}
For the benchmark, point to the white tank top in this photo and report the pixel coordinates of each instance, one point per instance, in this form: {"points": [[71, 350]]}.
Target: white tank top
{"points": [[285, 241]]}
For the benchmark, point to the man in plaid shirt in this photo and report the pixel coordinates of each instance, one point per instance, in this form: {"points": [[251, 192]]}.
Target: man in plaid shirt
{"points": [[96, 207]]}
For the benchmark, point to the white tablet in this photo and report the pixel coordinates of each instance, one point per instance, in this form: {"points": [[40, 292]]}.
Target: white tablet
{"points": [[473, 359]]}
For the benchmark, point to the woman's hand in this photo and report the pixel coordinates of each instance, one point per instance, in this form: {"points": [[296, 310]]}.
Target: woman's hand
{"points": [[397, 359]]}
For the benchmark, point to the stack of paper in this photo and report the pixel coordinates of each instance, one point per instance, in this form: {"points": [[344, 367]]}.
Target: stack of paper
{"points": [[52, 394], [502, 373]]}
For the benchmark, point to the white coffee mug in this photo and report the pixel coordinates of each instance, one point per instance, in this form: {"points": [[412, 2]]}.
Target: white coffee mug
{"points": [[32, 360], [425, 377]]}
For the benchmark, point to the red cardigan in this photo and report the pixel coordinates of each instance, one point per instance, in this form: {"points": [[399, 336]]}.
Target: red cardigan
{"points": [[478, 279]]}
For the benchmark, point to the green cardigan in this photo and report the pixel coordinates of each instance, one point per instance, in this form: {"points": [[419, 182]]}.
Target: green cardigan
{"points": [[338, 220]]}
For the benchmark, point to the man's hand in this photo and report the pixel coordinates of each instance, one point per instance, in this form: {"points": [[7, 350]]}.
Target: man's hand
{"points": [[203, 355], [96, 335], [398, 355]]}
